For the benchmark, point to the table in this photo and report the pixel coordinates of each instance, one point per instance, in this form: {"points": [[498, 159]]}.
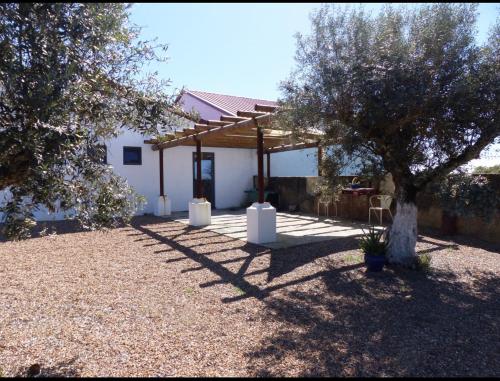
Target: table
{"points": [[358, 192]]}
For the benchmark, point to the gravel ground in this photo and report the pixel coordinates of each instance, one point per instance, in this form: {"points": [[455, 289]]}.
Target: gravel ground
{"points": [[163, 299]]}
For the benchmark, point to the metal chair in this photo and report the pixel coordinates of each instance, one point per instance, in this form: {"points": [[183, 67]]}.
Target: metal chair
{"points": [[385, 203], [336, 199], [325, 199]]}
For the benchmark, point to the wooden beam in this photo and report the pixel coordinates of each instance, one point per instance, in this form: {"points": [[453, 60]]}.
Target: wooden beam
{"points": [[233, 119], [161, 173], [214, 131], [260, 165], [274, 132], [188, 131], [291, 147], [268, 167], [253, 136], [265, 108], [250, 114], [201, 125], [219, 123], [199, 183], [231, 143], [201, 129]]}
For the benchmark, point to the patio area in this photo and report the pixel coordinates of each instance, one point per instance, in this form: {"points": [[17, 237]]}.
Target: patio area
{"points": [[292, 229]]}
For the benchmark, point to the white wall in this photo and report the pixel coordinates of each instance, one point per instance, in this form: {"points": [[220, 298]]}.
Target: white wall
{"points": [[302, 162], [189, 103], [234, 170], [40, 214], [143, 178]]}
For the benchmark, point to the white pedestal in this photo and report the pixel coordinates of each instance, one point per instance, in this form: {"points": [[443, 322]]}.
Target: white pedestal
{"points": [[163, 206], [200, 212], [261, 223]]}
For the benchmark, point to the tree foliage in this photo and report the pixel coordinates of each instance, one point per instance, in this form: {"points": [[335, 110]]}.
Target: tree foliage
{"points": [[70, 77], [463, 194], [407, 91]]}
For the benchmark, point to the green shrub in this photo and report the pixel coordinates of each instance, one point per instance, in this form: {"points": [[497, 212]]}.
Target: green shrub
{"points": [[372, 242], [461, 194], [423, 262]]}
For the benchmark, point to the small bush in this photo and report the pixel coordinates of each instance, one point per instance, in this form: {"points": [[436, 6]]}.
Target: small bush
{"points": [[372, 243], [423, 263]]}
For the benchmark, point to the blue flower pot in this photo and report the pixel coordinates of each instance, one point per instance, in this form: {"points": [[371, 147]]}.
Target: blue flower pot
{"points": [[374, 263]]}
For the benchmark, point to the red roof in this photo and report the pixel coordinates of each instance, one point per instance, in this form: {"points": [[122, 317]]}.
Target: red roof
{"points": [[230, 103]]}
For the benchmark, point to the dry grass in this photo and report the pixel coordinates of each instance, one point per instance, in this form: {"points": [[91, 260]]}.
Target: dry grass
{"points": [[161, 299]]}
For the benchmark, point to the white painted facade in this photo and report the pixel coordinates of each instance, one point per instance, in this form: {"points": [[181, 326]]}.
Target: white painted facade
{"points": [[302, 162], [234, 171], [234, 168]]}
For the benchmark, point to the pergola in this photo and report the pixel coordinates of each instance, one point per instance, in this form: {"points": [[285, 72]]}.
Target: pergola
{"points": [[249, 129]]}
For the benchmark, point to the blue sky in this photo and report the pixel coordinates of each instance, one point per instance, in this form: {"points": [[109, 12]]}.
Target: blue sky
{"points": [[244, 49], [238, 49]]}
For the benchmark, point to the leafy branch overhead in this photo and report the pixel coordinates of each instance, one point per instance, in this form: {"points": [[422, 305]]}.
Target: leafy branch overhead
{"points": [[70, 77]]}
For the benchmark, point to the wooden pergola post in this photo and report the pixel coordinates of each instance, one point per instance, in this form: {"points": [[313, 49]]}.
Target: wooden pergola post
{"points": [[268, 167], [260, 164], [320, 157], [199, 183], [162, 193]]}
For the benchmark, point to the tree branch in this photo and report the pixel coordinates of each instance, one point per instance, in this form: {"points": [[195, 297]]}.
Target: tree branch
{"points": [[468, 154]]}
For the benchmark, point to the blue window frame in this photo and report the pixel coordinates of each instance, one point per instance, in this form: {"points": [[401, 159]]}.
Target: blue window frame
{"points": [[132, 156]]}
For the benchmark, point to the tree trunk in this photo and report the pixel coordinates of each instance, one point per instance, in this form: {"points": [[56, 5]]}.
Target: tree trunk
{"points": [[403, 234]]}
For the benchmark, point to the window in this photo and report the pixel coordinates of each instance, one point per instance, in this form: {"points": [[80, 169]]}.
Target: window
{"points": [[98, 153], [132, 156]]}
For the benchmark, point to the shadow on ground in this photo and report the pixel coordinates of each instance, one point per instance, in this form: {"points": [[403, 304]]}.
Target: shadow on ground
{"points": [[184, 239], [61, 369], [395, 323], [346, 322]]}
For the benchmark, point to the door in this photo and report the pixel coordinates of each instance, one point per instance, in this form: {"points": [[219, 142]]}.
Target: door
{"points": [[207, 176]]}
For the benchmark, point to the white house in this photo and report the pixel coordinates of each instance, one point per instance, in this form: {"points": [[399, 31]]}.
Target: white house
{"points": [[227, 172], [230, 170]]}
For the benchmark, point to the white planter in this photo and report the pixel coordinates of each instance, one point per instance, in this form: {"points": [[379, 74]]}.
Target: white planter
{"points": [[200, 212], [163, 206], [261, 223]]}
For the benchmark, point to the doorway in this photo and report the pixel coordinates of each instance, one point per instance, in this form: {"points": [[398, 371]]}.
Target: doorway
{"points": [[207, 176]]}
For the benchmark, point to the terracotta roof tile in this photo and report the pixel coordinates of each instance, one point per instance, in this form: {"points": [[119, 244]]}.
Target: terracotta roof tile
{"points": [[231, 103]]}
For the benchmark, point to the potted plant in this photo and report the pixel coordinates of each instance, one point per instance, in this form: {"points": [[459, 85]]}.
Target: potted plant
{"points": [[374, 247], [355, 183]]}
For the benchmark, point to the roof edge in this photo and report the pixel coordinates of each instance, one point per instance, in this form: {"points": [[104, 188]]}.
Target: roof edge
{"points": [[209, 103]]}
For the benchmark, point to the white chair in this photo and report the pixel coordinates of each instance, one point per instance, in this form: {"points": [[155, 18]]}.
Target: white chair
{"points": [[325, 200], [385, 203], [336, 199]]}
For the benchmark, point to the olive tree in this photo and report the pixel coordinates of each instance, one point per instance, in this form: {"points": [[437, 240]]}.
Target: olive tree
{"points": [[70, 78], [408, 91]]}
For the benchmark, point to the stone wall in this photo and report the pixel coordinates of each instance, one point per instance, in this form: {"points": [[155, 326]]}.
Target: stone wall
{"points": [[297, 194]]}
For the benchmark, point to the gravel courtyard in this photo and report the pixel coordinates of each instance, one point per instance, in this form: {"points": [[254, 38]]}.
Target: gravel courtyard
{"points": [[160, 298]]}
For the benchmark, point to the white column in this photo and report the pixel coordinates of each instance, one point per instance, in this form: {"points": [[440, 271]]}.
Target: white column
{"points": [[200, 212], [261, 223], [163, 206]]}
